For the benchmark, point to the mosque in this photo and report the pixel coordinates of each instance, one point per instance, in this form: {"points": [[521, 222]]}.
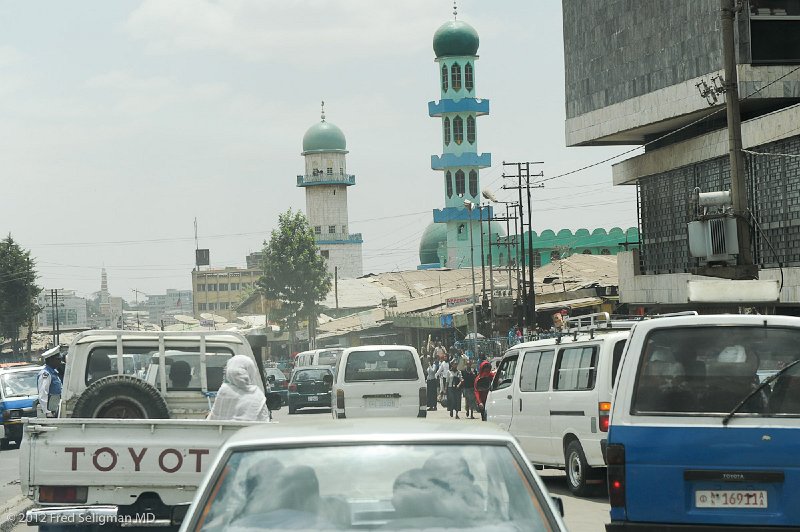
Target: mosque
{"points": [[326, 182]]}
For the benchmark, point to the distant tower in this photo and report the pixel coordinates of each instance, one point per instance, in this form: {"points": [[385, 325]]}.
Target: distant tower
{"points": [[104, 296], [326, 181], [456, 46]]}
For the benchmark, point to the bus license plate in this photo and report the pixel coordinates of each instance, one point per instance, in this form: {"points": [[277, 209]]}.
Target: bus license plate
{"points": [[730, 499], [381, 402]]}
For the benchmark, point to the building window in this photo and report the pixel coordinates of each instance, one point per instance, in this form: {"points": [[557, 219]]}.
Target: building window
{"points": [[201, 287], [444, 78], [473, 183], [344, 229], [605, 251], [325, 253], [448, 183], [460, 182], [317, 229], [462, 232], [330, 170], [471, 129], [201, 306], [211, 288], [455, 72], [469, 82], [341, 171], [212, 306], [332, 229], [586, 252], [446, 131], [315, 172], [234, 286], [223, 287], [224, 306], [458, 130]]}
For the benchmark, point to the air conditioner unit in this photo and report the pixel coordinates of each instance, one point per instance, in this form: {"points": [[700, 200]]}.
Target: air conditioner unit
{"points": [[714, 239]]}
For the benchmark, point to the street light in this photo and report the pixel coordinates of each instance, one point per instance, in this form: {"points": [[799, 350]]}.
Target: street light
{"points": [[469, 205]]}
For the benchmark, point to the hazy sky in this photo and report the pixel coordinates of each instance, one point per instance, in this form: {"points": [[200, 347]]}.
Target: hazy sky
{"points": [[121, 122]]}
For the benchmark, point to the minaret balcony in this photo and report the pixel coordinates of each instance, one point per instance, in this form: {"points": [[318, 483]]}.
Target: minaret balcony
{"points": [[323, 179], [354, 238], [451, 160], [464, 105], [462, 214]]}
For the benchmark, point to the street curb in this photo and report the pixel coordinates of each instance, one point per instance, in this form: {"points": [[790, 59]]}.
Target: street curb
{"points": [[11, 513]]}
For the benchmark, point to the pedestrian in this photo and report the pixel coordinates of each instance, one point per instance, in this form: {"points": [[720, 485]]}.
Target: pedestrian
{"points": [[443, 374], [239, 398], [432, 385], [454, 391], [468, 376], [49, 384], [482, 384]]}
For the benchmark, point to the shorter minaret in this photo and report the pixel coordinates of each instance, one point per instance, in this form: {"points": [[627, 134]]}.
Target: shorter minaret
{"points": [[326, 182]]}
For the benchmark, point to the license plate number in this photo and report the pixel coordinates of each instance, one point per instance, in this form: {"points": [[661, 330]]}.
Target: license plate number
{"points": [[730, 499], [313, 398], [381, 402]]}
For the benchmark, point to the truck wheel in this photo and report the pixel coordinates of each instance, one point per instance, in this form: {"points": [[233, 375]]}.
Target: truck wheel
{"points": [[578, 470], [121, 397]]}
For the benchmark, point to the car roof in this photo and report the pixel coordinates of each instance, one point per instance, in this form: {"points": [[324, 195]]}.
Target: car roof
{"points": [[567, 339], [718, 319], [369, 430], [379, 347]]}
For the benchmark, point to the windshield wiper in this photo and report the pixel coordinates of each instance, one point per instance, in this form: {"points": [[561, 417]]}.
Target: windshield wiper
{"points": [[757, 389]]}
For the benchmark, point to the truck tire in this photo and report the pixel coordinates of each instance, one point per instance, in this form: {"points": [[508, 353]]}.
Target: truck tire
{"points": [[121, 397], [577, 469]]}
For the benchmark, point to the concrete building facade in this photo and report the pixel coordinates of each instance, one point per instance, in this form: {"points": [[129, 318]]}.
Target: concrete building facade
{"points": [[161, 308], [71, 310], [634, 71], [219, 291]]}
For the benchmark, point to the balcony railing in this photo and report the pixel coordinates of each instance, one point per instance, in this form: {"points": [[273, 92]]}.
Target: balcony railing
{"points": [[322, 179]]}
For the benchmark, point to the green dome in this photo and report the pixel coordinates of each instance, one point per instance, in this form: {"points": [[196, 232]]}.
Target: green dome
{"points": [[455, 37], [323, 137], [429, 244]]}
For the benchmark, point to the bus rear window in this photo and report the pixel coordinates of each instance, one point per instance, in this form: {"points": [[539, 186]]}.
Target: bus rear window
{"points": [[710, 370], [380, 365]]}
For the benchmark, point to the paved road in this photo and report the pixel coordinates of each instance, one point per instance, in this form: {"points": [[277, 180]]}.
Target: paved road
{"points": [[581, 514]]}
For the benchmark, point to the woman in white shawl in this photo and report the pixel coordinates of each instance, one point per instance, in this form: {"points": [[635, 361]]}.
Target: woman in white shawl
{"points": [[239, 398]]}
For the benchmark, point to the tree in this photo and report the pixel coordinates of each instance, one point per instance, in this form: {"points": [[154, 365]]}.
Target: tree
{"points": [[294, 271], [18, 291]]}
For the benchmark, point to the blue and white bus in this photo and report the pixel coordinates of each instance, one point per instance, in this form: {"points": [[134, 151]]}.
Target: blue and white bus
{"points": [[705, 425]]}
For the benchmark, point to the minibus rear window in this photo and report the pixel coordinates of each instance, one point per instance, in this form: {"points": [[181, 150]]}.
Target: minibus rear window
{"points": [[380, 365], [710, 370]]}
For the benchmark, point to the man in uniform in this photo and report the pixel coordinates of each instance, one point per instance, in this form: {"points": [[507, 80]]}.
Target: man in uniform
{"points": [[49, 383]]}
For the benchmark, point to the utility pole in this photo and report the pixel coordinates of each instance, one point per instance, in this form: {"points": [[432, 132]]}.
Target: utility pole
{"points": [[524, 173], [728, 10]]}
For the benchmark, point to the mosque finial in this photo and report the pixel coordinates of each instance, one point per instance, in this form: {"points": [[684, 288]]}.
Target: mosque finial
{"points": [[455, 10], [323, 111]]}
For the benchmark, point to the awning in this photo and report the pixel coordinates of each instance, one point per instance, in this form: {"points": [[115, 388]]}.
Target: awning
{"points": [[570, 303]]}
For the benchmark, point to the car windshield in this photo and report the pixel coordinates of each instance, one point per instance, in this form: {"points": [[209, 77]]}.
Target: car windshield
{"points": [[19, 383], [380, 364], [388, 487], [310, 374], [710, 370]]}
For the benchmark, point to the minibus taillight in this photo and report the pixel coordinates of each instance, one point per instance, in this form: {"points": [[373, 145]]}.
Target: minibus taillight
{"points": [[340, 398], [423, 402], [615, 455], [603, 415], [70, 494]]}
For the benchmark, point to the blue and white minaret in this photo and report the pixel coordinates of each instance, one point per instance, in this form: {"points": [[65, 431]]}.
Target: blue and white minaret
{"points": [[326, 181], [455, 44]]}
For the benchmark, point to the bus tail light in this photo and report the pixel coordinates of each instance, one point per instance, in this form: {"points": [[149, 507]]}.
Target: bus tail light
{"points": [[340, 403], [603, 415], [423, 402], [616, 475], [61, 494]]}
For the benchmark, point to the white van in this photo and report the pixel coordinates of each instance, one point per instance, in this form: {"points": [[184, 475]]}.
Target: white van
{"points": [[554, 395], [379, 381], [319, 357]]}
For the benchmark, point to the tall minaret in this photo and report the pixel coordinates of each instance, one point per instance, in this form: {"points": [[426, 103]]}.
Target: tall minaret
{"points": [[456, 46], [105, 304], [326, 181]]}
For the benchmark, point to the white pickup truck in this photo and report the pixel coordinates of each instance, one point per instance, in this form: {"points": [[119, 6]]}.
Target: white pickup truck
{"points": [[130, 445]]}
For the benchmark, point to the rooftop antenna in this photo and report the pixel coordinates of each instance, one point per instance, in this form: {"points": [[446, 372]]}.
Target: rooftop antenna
{"points": [[323, 111], [455, 10]]}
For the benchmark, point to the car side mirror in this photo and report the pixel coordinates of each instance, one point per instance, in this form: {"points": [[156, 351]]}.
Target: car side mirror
{"points": [[271, 379], [273, 400], [328, 380], [559, 505]]}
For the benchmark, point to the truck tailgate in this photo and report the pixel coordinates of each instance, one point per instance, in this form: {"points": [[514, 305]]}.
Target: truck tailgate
{"points": [[121, 456]]}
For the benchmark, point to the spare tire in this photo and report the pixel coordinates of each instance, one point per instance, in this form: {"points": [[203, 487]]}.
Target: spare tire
{"points": [[121, 397]]}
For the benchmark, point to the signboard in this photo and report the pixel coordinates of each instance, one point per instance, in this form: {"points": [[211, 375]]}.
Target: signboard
{"points": [[458, 301], [503, 306], [201, 257], [446, 321]]}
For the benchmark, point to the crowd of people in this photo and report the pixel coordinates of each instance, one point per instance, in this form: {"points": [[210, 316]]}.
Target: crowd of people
{"points": [[451, 376]]}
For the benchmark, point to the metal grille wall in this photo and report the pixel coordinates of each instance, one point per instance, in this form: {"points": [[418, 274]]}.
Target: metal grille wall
{"points": [[774, 198]]}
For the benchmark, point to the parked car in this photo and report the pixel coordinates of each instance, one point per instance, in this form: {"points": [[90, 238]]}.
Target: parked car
{"points": [[378, 474], [278, 382], [554, 395], [309, 388], [377, 381], [18, 391], [705, 425]]}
